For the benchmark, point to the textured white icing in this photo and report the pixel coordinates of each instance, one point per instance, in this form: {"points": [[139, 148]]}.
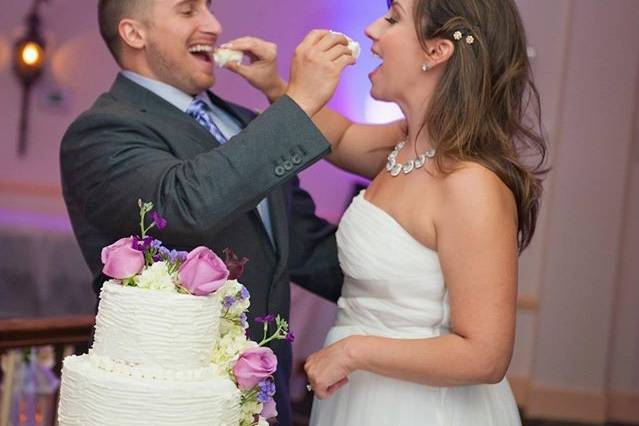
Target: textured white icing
{"points": [[164, 330], [157, 373], [91, 396]]}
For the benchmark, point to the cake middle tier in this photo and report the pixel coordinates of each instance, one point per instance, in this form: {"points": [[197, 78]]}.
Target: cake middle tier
{"points": [[155, 328]]}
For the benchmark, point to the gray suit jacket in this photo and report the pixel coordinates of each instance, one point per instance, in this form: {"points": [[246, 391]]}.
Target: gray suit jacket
{"points": [[133, 144]]}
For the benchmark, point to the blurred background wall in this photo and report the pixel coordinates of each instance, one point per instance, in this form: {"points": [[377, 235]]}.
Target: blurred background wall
{"points": [[577, 349]]}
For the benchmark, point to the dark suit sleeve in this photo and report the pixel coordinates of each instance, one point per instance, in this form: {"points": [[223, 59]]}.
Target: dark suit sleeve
{"points": [[313, 262], [109, 160]]}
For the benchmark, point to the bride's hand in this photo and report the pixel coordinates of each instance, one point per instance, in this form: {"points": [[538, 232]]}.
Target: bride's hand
{"points": [[261, 72], [328, 369]]}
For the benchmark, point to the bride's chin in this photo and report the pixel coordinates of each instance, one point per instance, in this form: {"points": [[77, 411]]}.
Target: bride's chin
{"points": [[378, 96]]}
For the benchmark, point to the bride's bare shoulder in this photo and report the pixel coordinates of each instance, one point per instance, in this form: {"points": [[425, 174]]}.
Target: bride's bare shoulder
{"points": [[472, 185]]}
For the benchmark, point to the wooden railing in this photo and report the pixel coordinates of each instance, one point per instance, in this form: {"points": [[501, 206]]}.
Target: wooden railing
{"points": [[21, 333], [27, 332]]}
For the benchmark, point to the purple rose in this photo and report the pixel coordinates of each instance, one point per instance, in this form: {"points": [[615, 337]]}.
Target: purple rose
{"points": [[254, 365], [121, 260], [269, 409], [202, 272]]}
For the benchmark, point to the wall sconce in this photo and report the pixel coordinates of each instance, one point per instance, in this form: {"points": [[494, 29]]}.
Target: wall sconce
{"points": [[28, 61]]}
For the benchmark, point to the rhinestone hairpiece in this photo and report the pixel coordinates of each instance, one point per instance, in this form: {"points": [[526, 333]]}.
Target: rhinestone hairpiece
{"points": [[457, 35]]}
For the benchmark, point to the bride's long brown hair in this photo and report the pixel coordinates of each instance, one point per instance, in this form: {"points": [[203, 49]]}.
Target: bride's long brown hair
{"points": [[486, 107]]}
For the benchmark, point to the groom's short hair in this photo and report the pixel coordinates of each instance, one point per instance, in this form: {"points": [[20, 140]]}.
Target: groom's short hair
{"points": [[111, 12]]}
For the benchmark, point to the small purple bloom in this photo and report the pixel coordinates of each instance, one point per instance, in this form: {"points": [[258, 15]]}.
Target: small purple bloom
{"points": [[157, 258], [266, 319], [160, 222], [243, 320], [156, 244], [262, 397], [228, 301], [290, 337], [182, 255], [268, 386], [244, 293], [141, 244], [173, 255], [164, 251]]}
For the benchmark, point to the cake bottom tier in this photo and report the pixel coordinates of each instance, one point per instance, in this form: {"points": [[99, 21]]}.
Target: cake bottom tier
{"points": [[90, 396]]}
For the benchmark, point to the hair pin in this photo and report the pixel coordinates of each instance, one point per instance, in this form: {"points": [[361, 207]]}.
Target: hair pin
{"points": [[457, 35]]}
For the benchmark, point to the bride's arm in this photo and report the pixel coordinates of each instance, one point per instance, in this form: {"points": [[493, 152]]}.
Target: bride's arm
{"points": [[476, 242], [358, 148]]}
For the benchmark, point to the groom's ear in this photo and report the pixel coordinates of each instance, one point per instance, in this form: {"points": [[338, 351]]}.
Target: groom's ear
{"points": [[132, 33]]}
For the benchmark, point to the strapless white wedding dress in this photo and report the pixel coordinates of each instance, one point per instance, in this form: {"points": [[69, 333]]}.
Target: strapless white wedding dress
{"points": [[394, 287]]}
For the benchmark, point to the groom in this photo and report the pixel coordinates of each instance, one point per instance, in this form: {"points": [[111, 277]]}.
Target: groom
{"points": [[220, 175]]}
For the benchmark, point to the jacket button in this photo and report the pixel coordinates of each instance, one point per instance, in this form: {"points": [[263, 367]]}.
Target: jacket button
{"points": [[279, 171], [288, 165], [296, 159]]}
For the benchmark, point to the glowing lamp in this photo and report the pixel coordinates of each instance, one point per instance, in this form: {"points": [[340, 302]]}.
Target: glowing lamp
{"points": [[32, 54], [28, 61], [29, 54]]}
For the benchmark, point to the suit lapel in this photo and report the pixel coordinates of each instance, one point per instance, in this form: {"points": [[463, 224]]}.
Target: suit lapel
{"points": [[145, 100]]}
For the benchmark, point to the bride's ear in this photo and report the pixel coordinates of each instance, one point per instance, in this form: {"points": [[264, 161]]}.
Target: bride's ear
{"points": [[438, 51]]}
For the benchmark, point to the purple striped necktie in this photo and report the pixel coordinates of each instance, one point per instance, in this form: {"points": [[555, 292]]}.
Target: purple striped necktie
{"points": [[201, 112]]}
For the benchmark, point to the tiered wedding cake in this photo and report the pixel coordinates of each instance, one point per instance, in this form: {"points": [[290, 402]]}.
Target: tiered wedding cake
{"points": [[150, 364]]}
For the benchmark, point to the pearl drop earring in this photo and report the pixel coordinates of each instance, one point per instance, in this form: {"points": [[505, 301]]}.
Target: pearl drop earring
{"points": [[425, 67]]}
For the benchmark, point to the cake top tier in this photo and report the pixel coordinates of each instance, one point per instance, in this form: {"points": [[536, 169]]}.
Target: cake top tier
{"points": [[153, 328]]}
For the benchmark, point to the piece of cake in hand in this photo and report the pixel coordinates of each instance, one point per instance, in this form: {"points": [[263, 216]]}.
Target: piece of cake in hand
{"points": [[224, 56], [353, 46]]}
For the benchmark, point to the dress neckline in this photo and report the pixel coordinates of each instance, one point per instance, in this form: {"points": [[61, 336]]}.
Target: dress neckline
{"points": [[393, 220]]}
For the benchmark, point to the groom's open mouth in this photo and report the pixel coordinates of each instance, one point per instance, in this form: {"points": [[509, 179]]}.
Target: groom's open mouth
{"points": [[203, 52]]}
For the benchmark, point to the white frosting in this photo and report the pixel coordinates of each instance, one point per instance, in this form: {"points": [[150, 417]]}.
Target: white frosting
{"points": [[161, 330], [224, 56], [150, 364], [91, 396]]}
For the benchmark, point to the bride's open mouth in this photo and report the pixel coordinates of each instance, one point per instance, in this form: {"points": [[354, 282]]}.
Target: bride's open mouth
{"points": [[376, 56]]}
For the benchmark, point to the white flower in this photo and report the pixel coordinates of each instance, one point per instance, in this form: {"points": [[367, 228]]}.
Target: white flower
{"points": [[470, 39], [232, 288], [156, 277], [247, 410], [229, 347], [262, 422], [457, 35]]}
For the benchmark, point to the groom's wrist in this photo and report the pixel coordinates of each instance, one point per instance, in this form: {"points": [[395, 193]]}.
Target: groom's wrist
{"points": [[276, 91]]}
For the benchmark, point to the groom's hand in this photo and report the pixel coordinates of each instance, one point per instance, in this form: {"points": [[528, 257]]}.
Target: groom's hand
{"points": [[261, 72], [316, 67]]}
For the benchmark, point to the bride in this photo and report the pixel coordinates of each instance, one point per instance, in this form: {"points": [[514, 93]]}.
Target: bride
{"points": [[426, 320]]}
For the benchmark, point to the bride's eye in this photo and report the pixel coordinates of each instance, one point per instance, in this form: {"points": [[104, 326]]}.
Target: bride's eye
{"points": [[390, 20]]}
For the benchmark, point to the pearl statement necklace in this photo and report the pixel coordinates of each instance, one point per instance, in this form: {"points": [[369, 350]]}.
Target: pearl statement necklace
{"points": [[395, 168]]}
